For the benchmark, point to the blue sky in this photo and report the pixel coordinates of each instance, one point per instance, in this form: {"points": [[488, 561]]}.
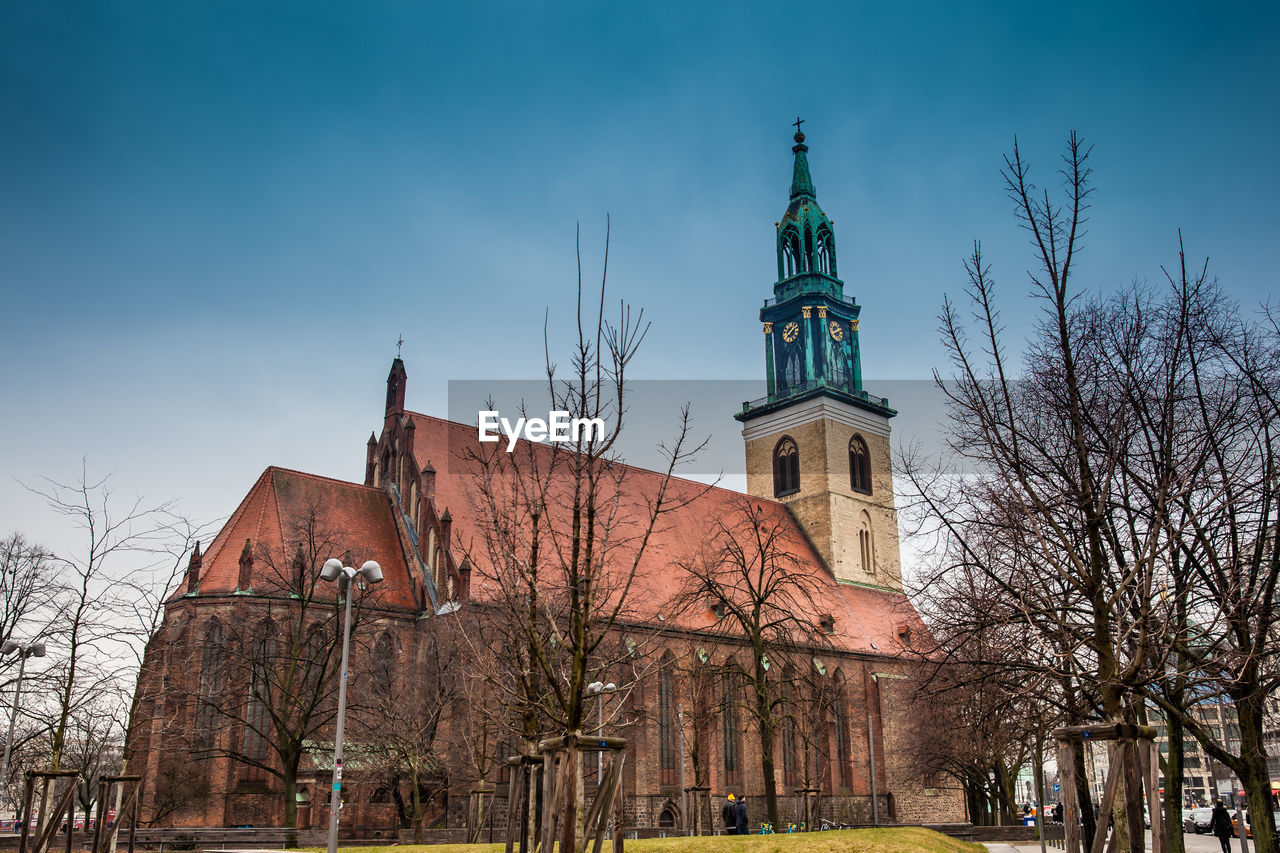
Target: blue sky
{"points": [[217, 218]]}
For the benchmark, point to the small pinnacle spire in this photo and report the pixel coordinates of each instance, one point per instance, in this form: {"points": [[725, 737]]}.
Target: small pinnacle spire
{"points": [[193, 570], [244, 582], [801, 182]]}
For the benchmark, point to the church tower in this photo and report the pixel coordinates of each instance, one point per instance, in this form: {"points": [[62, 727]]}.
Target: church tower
{"points": [[819, 442]]}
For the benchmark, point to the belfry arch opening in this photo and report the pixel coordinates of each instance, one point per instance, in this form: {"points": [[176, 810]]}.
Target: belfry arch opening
{"points": [[859, 465], [786, 467]]}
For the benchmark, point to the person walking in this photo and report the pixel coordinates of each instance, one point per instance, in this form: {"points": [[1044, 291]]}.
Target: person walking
{"points": [[744, 828], [1220, 826], [729, 815]]}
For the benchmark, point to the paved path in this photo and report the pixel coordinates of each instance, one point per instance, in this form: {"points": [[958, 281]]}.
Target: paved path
{"points": [[1194, 844]]}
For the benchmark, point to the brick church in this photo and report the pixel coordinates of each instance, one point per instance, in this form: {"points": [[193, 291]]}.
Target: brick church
{"points": [[233, 721]]}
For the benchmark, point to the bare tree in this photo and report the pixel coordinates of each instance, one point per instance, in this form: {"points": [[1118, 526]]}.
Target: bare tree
{"points": [[123, 541], [404, 710], [1117, 497], [1048, 442], [751, 576], [275, 685], [564, 530], [94, 747], [28, 583], [1223, 567]]}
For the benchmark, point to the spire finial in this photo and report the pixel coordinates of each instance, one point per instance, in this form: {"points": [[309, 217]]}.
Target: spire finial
{"points": [[801, 183], [399, 343]]}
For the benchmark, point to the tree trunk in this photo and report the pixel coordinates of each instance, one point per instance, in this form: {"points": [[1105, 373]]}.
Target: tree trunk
{"points": [[1037, 775], [418, 808], [1174, 841], [1084, 796], [290, 778], [766, 755], [1002, 787], [1253, 773], [580, 795]]}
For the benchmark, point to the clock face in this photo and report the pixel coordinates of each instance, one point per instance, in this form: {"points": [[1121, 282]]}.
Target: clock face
{"points": [[837, 331], [791, 331]]}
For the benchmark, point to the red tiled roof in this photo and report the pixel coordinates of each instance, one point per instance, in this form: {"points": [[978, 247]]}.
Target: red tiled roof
{"points": [[347, 516], [866, 619]]}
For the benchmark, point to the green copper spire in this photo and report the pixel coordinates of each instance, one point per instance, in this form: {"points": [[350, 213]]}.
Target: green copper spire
{"points": [[801, 183], [806, 238], [810, 327]]}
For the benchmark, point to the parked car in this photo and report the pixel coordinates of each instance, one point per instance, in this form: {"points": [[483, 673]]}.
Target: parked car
{"points": [[1197, 821], [1248, 824]]}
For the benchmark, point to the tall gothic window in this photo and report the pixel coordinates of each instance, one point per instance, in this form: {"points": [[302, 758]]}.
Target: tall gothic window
{"points": [[730, 717], [212, 677], [511, 746], [859, 465], [257, 724], [790, 753], [826, 252], [383, 665], [866, 548], [668, 758], [790, 253], [786, 467], [840, 720]]}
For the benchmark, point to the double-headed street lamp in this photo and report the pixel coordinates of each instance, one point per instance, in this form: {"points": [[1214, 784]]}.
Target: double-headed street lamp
{"points": [[598, 688], [334, 571], [24, 650]]}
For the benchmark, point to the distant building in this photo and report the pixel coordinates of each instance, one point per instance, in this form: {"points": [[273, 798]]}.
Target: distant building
{"points": [[818, 465], [1203, 778]]}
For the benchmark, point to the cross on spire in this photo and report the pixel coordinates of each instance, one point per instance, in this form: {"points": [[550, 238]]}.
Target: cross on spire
{"points": [[399, 343], [796, 124]]}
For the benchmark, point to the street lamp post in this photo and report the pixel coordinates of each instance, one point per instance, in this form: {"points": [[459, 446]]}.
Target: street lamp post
{"points": [[596, 688], [334, 571], [24, 650]]}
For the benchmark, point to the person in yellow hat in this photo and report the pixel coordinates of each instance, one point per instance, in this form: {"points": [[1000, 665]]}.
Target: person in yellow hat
{"points": [[729, 815]]}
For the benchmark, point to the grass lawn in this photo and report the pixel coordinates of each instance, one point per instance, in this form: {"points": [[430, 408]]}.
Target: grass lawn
{"points": [[897, 840]]}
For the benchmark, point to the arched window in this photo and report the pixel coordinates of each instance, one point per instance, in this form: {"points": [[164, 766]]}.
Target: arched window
{"points": [[826, 252], [840, 721], [509, 747], [790, 253], [786, 467], [823, 261], [383, 665], [859, 465], [808, 249], [730, 716], [667, 819], [866, 544], [668, 757], [790, 753], [257, 723], [212, 678]]}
